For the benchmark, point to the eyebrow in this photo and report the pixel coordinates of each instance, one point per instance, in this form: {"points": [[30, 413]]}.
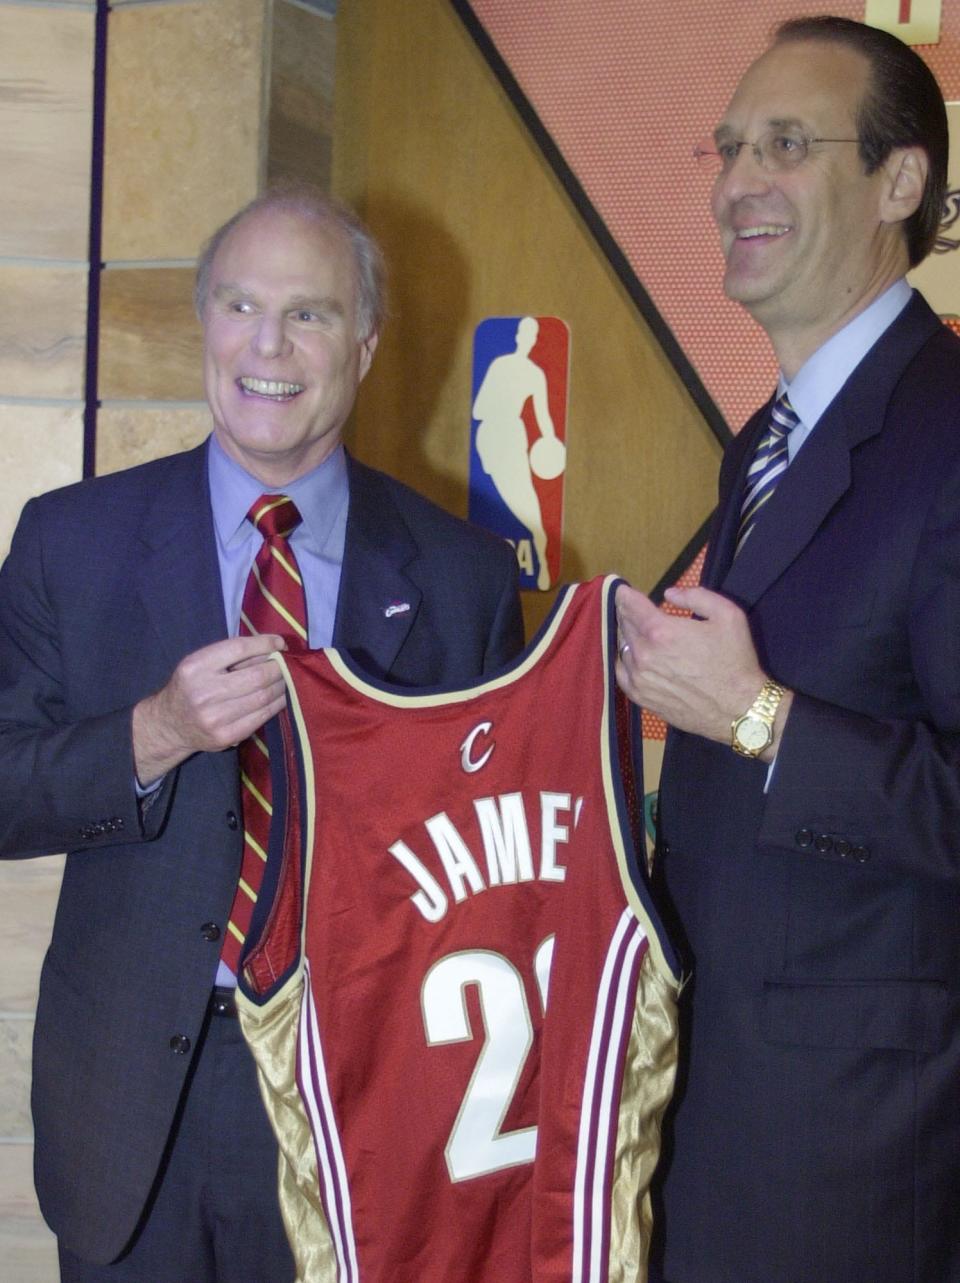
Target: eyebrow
{"points": [[316, 302], [774, 122]]}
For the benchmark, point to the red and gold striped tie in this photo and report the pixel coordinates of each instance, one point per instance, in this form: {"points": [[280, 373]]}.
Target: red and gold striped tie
{"points": [[273, 602]]}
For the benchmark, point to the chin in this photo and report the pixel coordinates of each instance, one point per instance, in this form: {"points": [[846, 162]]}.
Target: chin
{"points": [[750, 292]]}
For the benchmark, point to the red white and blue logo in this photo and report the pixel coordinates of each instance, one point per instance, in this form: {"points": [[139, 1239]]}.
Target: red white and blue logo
{"points": [[518, 438]]}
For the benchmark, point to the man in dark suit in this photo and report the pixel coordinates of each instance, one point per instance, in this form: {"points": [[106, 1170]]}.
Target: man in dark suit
{"points": [[124, 690], [809, 825]]}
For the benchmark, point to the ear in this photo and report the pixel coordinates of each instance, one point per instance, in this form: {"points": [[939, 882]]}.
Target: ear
{"points": [[367, 348], [905, 177]]}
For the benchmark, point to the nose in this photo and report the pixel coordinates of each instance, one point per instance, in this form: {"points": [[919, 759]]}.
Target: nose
{"points": [[270, 338]]}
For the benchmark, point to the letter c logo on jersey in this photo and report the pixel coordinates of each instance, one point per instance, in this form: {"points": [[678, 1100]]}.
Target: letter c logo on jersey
{"points": [[467, 761]]}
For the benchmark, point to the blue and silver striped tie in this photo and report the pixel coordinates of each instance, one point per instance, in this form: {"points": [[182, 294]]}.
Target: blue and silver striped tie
{"points": [[768, 465]]}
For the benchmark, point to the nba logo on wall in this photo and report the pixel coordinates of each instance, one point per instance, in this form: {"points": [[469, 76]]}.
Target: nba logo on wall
{"points": [[517, 436]]}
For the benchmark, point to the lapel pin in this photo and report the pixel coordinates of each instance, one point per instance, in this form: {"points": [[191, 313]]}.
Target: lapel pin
{"points": [[396, 608]]}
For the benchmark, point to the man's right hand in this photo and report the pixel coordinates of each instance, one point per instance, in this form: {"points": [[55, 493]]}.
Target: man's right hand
{"points": [[216, 697]]}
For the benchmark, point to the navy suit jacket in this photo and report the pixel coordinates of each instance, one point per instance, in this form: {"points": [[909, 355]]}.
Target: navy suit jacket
{"points": [[108, 585], [816, 1131]]}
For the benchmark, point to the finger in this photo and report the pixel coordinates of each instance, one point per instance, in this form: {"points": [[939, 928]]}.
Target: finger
{"points": [[700, 601], [255, 680], [225, 721], [243, 727], [233, 650], [253, 659], [634, 612], [231, 695]]}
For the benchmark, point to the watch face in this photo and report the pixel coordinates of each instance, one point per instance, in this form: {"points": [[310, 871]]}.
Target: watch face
{"points": [[753, 735]]}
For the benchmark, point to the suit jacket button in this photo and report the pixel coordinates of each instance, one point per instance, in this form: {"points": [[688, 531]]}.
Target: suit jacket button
{"points": [[805, 837], [232, 821], [861, 854], [842, 847], [179, 1044], [823, 842], [210, 931]]}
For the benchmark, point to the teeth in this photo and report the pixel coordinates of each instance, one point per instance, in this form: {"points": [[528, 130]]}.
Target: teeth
{"points": [[765, 229], [270, 387]]}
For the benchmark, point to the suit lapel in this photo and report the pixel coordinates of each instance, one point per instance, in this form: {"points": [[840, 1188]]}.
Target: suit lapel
{"points": [[180, 578], [378, 602], [180, 585], [820, 474], [811, 486]]}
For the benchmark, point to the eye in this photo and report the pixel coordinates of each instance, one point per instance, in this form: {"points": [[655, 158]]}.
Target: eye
{"points": [[305, 314], [728, 152], [788, 146], [241, 306]]}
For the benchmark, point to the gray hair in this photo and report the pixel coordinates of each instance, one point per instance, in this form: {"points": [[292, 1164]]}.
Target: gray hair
{"points": [[312, 203]]}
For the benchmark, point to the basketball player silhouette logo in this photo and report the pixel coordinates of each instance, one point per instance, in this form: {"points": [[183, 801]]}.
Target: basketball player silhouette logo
{"points": [[519, 456]]}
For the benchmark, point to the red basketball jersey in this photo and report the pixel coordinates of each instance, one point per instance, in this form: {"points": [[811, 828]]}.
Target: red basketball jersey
{"points": [[461, 1002]]}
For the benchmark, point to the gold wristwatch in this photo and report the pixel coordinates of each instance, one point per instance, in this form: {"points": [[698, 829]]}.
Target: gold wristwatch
{"points": [[751, 733]]}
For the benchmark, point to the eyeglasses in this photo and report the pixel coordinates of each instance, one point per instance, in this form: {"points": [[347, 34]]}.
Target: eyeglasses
{"points": [[775, 150]]}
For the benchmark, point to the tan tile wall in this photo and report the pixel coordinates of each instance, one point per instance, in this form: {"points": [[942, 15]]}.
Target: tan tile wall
{"points": [[29, 1249], [28, 891], [46, 57], [150, 346], [300, 128], [46, 68], [184, 137], [42, 329], [41, 447], [205, 98], [129, 434]]}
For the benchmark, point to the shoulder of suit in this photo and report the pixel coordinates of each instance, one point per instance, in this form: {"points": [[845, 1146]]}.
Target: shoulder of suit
{"points": [[929, 384], [943, 348], [930, 364]]}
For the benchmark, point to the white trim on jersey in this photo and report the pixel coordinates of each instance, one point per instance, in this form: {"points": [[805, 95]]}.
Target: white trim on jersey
{"points": [[598, 1108], [335, 1192]]}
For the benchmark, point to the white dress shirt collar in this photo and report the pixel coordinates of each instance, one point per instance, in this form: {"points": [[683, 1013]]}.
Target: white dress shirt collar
{"points": [[822, 375]]}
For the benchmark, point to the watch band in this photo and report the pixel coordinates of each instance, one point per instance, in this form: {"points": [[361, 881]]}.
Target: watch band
{"points": [[758, 719]]}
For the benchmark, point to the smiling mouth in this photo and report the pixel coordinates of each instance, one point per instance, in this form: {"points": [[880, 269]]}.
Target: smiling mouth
{"points": [[762, 229], [273, 389]]}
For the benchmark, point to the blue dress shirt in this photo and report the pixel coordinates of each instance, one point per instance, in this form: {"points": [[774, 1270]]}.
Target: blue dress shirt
{"points": [[322, 498]]}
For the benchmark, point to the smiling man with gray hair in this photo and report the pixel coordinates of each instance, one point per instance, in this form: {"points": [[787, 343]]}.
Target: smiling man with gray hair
{"points": [[135, 611]]}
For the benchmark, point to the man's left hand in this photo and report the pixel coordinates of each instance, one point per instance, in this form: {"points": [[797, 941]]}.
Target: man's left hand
{"points": [[700, 674]]}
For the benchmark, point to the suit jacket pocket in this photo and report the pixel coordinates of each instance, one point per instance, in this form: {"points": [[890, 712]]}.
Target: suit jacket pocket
{"points": [[895, 1015]]}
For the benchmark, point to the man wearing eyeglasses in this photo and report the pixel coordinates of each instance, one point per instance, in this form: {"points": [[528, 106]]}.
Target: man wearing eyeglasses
{"points": [[809, 842]]}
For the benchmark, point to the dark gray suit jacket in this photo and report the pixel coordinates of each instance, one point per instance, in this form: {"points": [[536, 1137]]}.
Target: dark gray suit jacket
{"points": [[817, 1127], [108, 585]]}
